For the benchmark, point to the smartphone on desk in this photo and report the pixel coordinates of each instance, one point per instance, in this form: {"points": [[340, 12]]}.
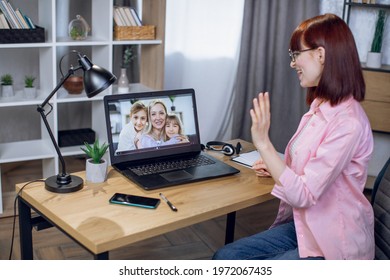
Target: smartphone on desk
{"points": [[135, 200]]}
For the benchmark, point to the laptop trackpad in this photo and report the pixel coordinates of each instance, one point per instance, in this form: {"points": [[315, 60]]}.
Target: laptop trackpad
{"points": [[176, 175]]}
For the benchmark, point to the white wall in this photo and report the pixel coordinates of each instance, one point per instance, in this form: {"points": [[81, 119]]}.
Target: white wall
{"points": [[201, 52]]}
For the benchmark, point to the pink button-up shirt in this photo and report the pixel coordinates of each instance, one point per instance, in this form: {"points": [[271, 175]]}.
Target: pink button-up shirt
{"points": [[322, 185]]}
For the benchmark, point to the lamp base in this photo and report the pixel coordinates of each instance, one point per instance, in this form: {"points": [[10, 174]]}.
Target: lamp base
{"points": [[75, 184]]}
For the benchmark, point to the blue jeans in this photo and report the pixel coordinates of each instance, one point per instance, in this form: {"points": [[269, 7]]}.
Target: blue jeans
{"points": [[278, 243]]}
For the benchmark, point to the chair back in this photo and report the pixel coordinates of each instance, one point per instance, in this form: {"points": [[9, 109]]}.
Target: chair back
{"points": [[381, 204]]}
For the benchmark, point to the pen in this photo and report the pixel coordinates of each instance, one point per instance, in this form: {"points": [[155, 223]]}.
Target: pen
{"points": [[168, 202]]}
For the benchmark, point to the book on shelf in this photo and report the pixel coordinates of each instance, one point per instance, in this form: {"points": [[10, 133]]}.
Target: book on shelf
{"points": [[22, 19], [126, 16], [136, 17], [118, 17], [129, 16], [3, 22], [14, 17], [29, 22], [7, 13]]}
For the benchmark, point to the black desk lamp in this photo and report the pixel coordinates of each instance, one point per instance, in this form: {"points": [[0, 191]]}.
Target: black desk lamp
{"points": [[96, 79]]}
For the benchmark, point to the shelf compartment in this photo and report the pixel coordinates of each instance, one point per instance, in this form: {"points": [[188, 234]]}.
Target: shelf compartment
{"points": [[26, 150], [19, 100]]}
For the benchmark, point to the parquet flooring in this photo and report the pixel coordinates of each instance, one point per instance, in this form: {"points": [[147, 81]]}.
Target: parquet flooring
{"points": [[198, 241]]}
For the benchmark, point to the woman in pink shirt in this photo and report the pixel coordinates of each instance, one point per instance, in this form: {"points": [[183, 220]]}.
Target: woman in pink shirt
{"points": [[323, 213]]}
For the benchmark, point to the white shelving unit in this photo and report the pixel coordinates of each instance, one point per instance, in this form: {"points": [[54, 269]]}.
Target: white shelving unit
{"points": [[99, 47]]}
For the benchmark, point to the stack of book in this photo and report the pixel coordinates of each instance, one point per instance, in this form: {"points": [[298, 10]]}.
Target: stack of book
{"points": [[128, 25], [11, 18], [126, 16]]}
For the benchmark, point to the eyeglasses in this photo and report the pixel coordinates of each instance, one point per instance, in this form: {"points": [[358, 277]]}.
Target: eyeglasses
{"points": [[294, 54]]}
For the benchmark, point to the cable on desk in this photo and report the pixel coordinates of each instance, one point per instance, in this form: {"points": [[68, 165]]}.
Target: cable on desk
{"points": [[14, 222]]}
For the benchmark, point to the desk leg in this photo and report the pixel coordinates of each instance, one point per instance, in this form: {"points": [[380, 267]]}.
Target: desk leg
{"points": [[25, 231], [230, 225], [101, 256]]}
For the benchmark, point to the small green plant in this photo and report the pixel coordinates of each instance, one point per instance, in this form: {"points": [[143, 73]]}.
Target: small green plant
{"points": [[29, 81], [7, 80], [128, 56], [172, 98], [95, 152], [376, 45], [76, 33]]}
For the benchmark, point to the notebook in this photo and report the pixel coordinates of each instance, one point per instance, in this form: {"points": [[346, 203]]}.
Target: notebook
{"points": [[161, 150]]}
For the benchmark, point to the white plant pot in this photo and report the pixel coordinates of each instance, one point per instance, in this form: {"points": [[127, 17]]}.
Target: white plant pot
{"points": [[30, 93], [96, 172], [374, 60], [8, 91]]}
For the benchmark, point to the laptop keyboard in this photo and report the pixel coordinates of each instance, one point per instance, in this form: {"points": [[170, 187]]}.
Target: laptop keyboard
{"points": [[170, 165]]}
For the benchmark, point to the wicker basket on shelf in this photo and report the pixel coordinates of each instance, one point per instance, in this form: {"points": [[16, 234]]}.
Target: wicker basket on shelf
{"points": [[146, 32]]}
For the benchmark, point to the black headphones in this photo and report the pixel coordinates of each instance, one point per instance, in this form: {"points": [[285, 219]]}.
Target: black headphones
{"points": [[225, 148]]}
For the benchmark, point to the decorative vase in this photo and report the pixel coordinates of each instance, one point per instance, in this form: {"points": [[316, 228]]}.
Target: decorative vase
{"points": [[30, 93], [123, 82], [78, 28], [8, 90], [96, 172], [374, 60], [74, 85]]}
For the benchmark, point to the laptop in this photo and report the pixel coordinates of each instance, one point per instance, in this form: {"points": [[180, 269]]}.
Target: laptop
{"points": [[158, 156]]}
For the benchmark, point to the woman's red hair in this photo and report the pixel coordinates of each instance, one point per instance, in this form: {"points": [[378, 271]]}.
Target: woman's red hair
{"points": [[342, 75]]}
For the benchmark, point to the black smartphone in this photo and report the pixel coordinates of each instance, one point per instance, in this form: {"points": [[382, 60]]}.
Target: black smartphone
{"points": [[135, 200]]}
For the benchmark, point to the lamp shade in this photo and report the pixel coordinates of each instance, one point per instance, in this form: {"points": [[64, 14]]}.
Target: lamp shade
{"points": [[96, 78]]}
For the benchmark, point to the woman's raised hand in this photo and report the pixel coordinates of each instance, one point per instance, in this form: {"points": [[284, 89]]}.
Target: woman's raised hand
{"points": [[261, 120]]}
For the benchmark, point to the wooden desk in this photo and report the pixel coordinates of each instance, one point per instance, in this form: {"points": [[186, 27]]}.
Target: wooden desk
{"points": [[88, 218]]}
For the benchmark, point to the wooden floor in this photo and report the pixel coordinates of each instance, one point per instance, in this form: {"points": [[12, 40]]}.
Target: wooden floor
{"points": [[199, 241]]}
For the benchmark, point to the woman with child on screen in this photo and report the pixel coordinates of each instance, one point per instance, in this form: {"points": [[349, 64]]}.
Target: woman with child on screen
{"points": [[131, 133], [323, 213], [155, 133]]}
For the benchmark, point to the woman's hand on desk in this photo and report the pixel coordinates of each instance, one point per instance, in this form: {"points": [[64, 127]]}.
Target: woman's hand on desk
{"points": [[260, 168]]}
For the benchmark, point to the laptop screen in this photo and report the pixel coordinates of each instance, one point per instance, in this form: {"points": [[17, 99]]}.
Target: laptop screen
{"points": [[150, 125]]}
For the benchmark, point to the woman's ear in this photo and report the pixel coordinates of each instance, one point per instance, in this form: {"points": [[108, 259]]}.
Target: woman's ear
{"points": [[321, 55]]}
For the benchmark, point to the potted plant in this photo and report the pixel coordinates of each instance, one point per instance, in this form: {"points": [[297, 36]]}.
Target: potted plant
{"points": [[78, 28], [29, 89], [172, 98], [7, 85], [96, 166], [374, 56], [123, 81]]}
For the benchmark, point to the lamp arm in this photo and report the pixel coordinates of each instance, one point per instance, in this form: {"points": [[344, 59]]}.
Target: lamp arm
{"points": [[62, 177], [63, 79], [42, 112]]}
